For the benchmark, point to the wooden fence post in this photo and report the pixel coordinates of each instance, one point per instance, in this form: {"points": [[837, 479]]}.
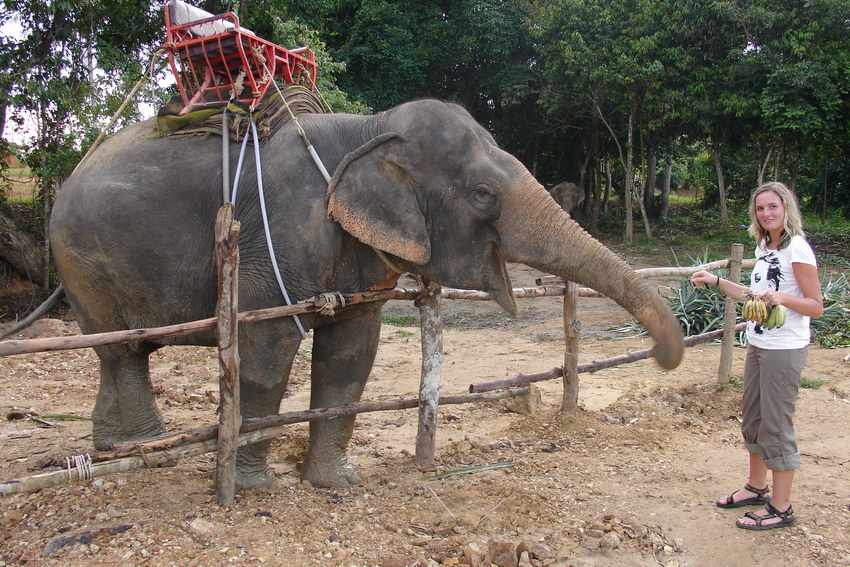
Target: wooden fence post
{"points": [[431, 325], [572, 332], [230, 420], [724, 370]]}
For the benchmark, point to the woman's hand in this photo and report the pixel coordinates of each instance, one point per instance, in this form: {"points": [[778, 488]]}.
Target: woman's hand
{"points": [[811, 304], [703, 277], [772, 297], [733, 290]]}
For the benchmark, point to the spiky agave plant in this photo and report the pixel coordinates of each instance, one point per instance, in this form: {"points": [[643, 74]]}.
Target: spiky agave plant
{"points": [[698, 310], [832, 329]]}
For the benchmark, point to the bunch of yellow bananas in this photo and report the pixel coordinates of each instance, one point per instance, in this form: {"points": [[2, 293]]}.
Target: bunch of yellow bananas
{"points": [[760, 311]]}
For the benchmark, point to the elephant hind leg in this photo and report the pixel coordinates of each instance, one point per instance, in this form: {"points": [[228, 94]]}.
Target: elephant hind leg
{"points": [[126, 407]]}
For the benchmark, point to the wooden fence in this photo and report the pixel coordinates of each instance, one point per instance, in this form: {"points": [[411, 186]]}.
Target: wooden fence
{"points": [[232, 432]]}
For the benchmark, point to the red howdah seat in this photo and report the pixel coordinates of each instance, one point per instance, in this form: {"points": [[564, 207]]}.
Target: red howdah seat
{"points": [[212, 56]]}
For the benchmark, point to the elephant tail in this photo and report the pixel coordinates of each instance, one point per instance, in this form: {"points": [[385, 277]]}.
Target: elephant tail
{"points": [[37, 314]]}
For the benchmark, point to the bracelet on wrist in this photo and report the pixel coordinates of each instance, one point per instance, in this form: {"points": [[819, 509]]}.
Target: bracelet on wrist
{"points": [[718, 282]]}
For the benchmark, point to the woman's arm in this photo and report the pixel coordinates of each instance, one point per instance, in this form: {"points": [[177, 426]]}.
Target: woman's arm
{"points": [[730, 288], [811, 304]]}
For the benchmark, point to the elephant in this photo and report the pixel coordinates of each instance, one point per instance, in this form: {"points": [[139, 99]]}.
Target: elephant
{"points": [[132, 233], [568, 195]]}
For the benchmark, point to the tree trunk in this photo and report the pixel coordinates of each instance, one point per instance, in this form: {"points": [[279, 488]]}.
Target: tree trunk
{"points": [[629, 235], [649, 191], [597, 199], [795, 166], [668, 182], [763, 165], [21, 250], [825, 187], [779, 163], [584, 180], [721, 186], [47, 196]]}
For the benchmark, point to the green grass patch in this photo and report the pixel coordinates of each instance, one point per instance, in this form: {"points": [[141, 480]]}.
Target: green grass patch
{"points": [[398, 320], [735, 383], [834, 221], [811, 383]]}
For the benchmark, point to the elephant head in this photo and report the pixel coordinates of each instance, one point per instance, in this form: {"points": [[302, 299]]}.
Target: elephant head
{"points": [[435, 191], [568, 195]]}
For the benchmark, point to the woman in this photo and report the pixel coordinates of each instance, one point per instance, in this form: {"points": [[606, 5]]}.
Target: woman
{"points": [[786, 274]]}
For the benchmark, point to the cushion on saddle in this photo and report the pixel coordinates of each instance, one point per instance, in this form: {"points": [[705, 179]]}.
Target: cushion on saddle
{"points": [[205, 119], [182, 13]]}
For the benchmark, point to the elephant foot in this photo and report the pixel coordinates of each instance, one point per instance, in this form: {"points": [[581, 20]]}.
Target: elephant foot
{"points": [[322, 475], [263, 480], [104, 438]]}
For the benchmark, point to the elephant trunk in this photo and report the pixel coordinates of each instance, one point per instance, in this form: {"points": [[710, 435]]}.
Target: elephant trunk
{"points": [[535, 231]]}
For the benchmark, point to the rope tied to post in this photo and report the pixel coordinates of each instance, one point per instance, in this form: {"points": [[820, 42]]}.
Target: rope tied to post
{"points": [[81, 464], [329, 302]]}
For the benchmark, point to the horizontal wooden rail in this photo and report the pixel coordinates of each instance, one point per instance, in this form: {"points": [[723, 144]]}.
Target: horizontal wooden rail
{"points": [[548, 286], [188, 443], [26, 346], [679, 271], [593, 366]]}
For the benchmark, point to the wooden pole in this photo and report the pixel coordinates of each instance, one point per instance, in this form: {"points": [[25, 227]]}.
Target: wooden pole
{"points": [[572, 332], [170, 448], [673, 271], [431, 325], [724, 371], [230, 419], [547, 290]]}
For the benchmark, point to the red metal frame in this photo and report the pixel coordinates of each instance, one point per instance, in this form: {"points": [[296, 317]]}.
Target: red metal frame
{"points": [[207, 67]]}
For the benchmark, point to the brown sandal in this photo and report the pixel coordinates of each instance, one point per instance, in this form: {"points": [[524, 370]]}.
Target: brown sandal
{"points": [[756, 500], [786, 519]]}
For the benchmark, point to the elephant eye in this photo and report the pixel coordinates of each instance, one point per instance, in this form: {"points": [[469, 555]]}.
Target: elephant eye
{"points": [[485, 202], [483, 194]]}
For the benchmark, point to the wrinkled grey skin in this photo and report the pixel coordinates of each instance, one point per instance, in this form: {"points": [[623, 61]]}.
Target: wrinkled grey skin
{"points": [[132, 234], [568, 195]]}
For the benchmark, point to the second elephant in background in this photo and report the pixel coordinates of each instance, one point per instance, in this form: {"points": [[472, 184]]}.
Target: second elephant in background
{"points": [[568, 195]]}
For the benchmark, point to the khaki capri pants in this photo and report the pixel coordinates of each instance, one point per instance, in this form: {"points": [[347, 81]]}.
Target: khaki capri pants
{"points": [[771, 386]]}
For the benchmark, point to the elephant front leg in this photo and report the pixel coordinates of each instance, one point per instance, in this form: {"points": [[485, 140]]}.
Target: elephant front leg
{"points": [[126, 407], [343, 353]]}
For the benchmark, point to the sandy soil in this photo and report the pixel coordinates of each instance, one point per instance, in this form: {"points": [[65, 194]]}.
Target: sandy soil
{"points": [[628, 480]]}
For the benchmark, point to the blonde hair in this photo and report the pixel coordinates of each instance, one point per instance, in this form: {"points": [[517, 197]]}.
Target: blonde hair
{"points": [[792, 224]]}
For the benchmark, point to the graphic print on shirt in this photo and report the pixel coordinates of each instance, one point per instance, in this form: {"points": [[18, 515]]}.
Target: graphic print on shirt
{"points": [[773, 275]]}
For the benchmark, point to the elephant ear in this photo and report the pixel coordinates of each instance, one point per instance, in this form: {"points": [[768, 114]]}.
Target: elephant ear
{"points": [[371, 196]]}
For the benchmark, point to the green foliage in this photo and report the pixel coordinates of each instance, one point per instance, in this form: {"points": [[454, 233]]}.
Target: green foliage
{"points": [[293, 33], [398, 320], [832, 329], [556, 81], [698, 310], [811, 383], [702, 310], [47, 75], [402, 50]]}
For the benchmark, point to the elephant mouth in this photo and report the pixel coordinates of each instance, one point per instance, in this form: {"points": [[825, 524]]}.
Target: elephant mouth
{"points": [[499, 281]]}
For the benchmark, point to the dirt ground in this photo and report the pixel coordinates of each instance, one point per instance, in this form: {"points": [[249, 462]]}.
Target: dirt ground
{"points": [[627, 480]]}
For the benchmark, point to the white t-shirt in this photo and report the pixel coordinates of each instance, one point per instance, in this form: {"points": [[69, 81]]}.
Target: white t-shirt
{"points": [[773, 272]]}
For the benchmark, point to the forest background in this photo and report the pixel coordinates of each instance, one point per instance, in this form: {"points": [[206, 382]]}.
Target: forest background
{"points": [[666, 112]]}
